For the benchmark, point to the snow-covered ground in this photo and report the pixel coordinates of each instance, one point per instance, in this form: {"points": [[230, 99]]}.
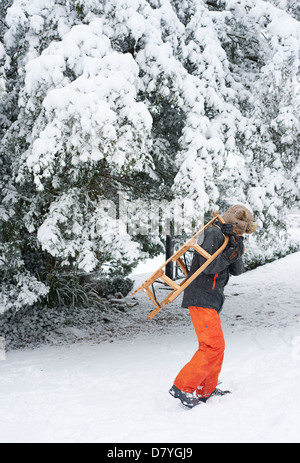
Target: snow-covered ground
{"points": [[117, 391]]}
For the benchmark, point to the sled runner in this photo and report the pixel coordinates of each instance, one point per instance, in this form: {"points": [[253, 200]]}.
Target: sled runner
{"points": [[177, 289]]}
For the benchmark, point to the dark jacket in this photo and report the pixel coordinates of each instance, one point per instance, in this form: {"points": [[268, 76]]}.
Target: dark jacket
{"points": [[207, 290]]}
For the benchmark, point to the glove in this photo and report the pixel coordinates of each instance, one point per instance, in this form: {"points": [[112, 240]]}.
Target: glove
{"points": [[227, 229], [234, 249]]}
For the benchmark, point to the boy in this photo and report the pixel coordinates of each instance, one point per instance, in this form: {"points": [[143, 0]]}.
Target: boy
{"points": [[204, 297]]}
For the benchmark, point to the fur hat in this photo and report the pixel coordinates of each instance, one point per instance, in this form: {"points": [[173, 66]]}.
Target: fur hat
{"points": [[241, 219]]}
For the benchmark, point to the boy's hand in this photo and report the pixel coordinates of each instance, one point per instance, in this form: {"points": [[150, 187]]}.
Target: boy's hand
{"points": [[227, 229], [235, 248]]}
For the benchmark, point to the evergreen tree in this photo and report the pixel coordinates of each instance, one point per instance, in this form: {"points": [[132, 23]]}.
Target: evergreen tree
{"points": [[265, 57], [108, 104]]}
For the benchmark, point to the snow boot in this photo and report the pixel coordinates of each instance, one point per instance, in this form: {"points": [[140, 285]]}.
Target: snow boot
{"points": [[216, 392], [187, 399], [219, 392]]}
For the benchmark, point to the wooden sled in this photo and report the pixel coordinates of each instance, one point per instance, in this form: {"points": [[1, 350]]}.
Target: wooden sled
{"points": [[176, 288]]}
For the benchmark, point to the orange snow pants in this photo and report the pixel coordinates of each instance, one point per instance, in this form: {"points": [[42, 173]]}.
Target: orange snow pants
{"points": [[202, 372]]}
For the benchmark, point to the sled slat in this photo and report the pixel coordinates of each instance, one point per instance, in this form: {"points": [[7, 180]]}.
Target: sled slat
{"points": [[201, 251], [180, 252], [170, 282], [182, 266]]}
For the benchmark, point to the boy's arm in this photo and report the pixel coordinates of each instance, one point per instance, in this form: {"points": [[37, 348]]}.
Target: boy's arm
{"points": [[213, 240], [237, 268]]}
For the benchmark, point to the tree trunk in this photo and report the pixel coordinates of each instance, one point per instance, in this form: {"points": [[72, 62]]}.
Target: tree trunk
{"points": [[169, 252]]}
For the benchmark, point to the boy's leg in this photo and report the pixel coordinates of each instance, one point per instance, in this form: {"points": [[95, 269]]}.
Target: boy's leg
{"points": [[205, 365], [210, 383]]}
